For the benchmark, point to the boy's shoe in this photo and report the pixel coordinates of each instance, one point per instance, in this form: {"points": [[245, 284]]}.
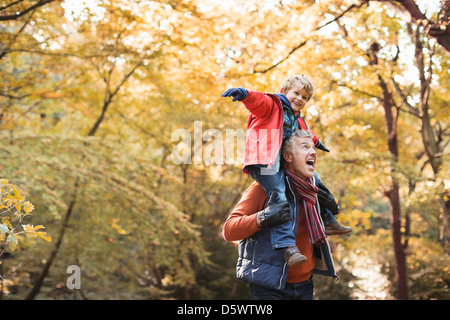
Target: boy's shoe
{"points": [[293, 256], [336, 229]]}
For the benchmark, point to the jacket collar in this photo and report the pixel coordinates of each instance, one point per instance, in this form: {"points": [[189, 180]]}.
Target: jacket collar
{"points": [[286, 104]]}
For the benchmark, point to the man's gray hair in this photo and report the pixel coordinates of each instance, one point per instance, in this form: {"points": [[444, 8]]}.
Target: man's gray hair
{"points": [[288, 144]]}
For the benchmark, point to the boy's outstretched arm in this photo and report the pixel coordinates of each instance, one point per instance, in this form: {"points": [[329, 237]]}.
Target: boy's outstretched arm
{"points": [[259, 104], [238, 94]]}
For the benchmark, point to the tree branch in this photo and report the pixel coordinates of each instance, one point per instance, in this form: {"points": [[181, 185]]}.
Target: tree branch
{"points": [[109, 95], [282, 60], [353, 6], [18, 14], [438, 30]]}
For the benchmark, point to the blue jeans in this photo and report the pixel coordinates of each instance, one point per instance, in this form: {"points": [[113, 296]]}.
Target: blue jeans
{"points": [[292, 291], [327, 216], [282, 235]]}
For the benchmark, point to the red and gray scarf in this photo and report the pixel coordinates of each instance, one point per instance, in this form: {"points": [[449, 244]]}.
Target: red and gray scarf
{"points": [[307, 191]]}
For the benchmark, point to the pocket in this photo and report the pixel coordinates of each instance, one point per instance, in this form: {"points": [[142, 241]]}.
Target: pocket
{"points": [[247, 248]]}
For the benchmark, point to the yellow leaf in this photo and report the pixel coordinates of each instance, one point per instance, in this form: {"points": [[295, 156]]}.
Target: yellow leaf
{"points": [[15, 191], [6, 221], [28, 207], [44, 236], [19, 197], [27, 227]]}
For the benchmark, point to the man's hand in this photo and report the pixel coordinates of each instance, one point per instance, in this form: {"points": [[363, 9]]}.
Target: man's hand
{"points": [[238, 94], [327, 199], [274, 213]]}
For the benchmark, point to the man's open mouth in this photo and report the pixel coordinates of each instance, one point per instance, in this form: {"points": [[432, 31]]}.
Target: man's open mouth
{"points": [[311, 163]]}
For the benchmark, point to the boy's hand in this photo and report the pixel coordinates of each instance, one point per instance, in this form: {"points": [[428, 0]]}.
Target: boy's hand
{"points": [[238, 94], [327, 199]]}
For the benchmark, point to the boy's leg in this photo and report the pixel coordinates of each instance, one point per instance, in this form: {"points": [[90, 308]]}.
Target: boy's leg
{"points": [[327, 216], [327, 202], [281, 236], [332, 226]]}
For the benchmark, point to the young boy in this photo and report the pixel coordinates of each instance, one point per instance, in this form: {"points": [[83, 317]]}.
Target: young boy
{"points": [[272, 118]]}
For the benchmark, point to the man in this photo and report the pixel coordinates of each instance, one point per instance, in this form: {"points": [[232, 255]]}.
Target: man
{"points": [[266, 270]]}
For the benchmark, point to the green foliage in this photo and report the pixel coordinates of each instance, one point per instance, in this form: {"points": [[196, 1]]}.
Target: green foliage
{"points": [[13, 210]]}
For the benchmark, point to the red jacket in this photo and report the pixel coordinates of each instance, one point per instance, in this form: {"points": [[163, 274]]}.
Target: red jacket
{"points": [[265, 128]]}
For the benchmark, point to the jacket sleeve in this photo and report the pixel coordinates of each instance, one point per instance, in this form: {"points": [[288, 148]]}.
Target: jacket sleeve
{"points": [[260, 104], [316, 140], [241, 223], [315, 137], [317, 143]]}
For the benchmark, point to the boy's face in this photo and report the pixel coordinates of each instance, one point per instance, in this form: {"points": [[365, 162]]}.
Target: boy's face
{"points": [[297, 96]]}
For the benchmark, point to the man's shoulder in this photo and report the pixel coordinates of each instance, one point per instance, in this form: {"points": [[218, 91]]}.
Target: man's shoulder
{"points": [[254, 196], [255, 190]]}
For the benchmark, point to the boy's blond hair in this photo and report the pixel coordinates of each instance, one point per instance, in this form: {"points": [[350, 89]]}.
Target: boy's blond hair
{"points": [[291, 81]]}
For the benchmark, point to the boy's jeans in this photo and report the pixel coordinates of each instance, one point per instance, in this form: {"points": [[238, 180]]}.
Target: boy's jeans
{"points": [[281, 236], [327, 216]]}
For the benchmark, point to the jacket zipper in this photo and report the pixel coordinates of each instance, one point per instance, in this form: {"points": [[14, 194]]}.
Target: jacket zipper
{"points": [[295, 201], [282, 276], [326, 241]]}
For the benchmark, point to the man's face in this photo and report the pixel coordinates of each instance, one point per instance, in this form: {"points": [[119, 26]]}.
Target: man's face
{"points": [[297, 96], [302, 161]]}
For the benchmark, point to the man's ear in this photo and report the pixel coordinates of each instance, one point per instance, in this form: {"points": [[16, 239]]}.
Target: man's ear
{"points": [[282, 90], [287, 156]]}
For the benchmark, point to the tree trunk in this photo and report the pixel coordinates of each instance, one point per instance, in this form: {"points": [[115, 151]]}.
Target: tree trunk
{"points": [[100, 119], [431, 138], [399, 252], [393, 193], [40, 280]]}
